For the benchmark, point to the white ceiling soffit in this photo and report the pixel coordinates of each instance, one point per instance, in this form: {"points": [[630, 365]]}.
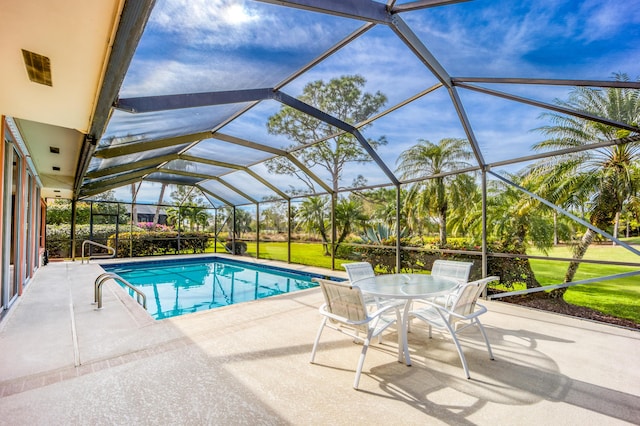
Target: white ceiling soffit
{"points": [[75, 36], [54, 151]]}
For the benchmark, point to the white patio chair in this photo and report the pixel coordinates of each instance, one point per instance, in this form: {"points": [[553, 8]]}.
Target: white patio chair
{"points": [[463, 312], [357, 271], [344, 310], [454, 270], [361, 270]]}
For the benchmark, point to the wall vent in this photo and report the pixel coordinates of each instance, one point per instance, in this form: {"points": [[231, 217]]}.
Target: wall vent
{"points": [[38, 68]]}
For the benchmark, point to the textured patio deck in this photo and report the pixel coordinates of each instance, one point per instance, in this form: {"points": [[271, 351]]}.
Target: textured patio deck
{"points": [[63, 362]]}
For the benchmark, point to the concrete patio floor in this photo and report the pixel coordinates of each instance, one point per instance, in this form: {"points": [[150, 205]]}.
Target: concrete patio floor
{"points": [[64, 362]]}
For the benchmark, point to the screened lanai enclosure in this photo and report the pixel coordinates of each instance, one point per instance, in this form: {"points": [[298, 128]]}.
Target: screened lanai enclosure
{"points": [[396, 132]]}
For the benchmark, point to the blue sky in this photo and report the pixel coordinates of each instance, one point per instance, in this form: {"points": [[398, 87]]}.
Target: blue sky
{"points": [[208, 45]]}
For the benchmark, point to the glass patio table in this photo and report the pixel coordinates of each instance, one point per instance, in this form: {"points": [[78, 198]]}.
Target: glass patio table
{"points": [[405, 287]]}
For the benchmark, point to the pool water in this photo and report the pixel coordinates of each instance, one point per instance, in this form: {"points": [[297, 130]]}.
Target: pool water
{"points": [[183, 286]]}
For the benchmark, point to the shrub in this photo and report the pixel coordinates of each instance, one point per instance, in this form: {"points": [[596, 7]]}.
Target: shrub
{"points": [[58, 238], [240, 247], [158, 243], [416, 257]]}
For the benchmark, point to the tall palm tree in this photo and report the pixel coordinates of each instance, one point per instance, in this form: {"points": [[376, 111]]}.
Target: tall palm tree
{"points": [[603, 176], [431, 197], [466, 214]]}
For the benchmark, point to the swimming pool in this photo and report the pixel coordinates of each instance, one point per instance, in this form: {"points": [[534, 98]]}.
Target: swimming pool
{"points": [[182, 286]]}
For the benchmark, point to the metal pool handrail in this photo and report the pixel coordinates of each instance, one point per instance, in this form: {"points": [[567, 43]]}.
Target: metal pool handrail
{"points": [[100, 256], [97, 288]]}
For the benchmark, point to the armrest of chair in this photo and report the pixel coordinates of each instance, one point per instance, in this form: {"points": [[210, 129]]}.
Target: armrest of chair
{"points": [[387, 307], [323, 311]]}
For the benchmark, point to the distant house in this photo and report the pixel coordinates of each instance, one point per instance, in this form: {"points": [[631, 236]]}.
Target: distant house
{"points": [[145, 213]]}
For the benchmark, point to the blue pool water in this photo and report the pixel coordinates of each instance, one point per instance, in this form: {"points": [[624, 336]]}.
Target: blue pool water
{"points": [[182, 286]]}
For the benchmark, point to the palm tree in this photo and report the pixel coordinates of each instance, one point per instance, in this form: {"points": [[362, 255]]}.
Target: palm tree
{"points": [[348, 216], [431, 197], [518, 218], [243, 223], [466, 214], [602, 176], [312, 216]]}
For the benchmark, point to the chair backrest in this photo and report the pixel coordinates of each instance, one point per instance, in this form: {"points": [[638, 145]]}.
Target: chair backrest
{"points": [[358, 270], [454, 269], [345, 301], [467, 295]]}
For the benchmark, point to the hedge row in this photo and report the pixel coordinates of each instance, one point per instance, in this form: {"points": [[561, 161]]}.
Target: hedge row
{"points": [[59, 238], [145, 243], [157, 243], [511, 270]]}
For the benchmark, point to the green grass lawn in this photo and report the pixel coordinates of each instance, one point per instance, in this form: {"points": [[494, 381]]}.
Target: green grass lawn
{"points": [[301, 253], [619, 297]]}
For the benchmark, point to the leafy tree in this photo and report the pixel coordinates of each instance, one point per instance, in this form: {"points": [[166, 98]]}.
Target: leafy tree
{"points": [[604, 176], [222, 219], [191, 207], [380, 205], [518, 217], [341, 98], [631, 212], [243, 222], [313, 216], [466, 212], [59, 212], [348, 216], [274, 217], [332, 149], [431, 197]]}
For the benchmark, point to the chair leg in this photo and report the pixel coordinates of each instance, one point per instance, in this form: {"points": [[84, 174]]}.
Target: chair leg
{"points": [[486, 340], [315, 344], [363, 353], [459, 349]]}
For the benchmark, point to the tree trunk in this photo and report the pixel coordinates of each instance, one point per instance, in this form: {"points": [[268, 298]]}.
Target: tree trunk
{"points": [[443, 225], [325, 239], [134, 210], [555, 228], [616, 227], [156, 216], [578, 253]]}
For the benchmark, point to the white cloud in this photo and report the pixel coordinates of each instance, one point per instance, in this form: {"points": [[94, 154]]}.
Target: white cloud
{"points": [[604, 19], [185, 15], [232, 23], [170, 76]]}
